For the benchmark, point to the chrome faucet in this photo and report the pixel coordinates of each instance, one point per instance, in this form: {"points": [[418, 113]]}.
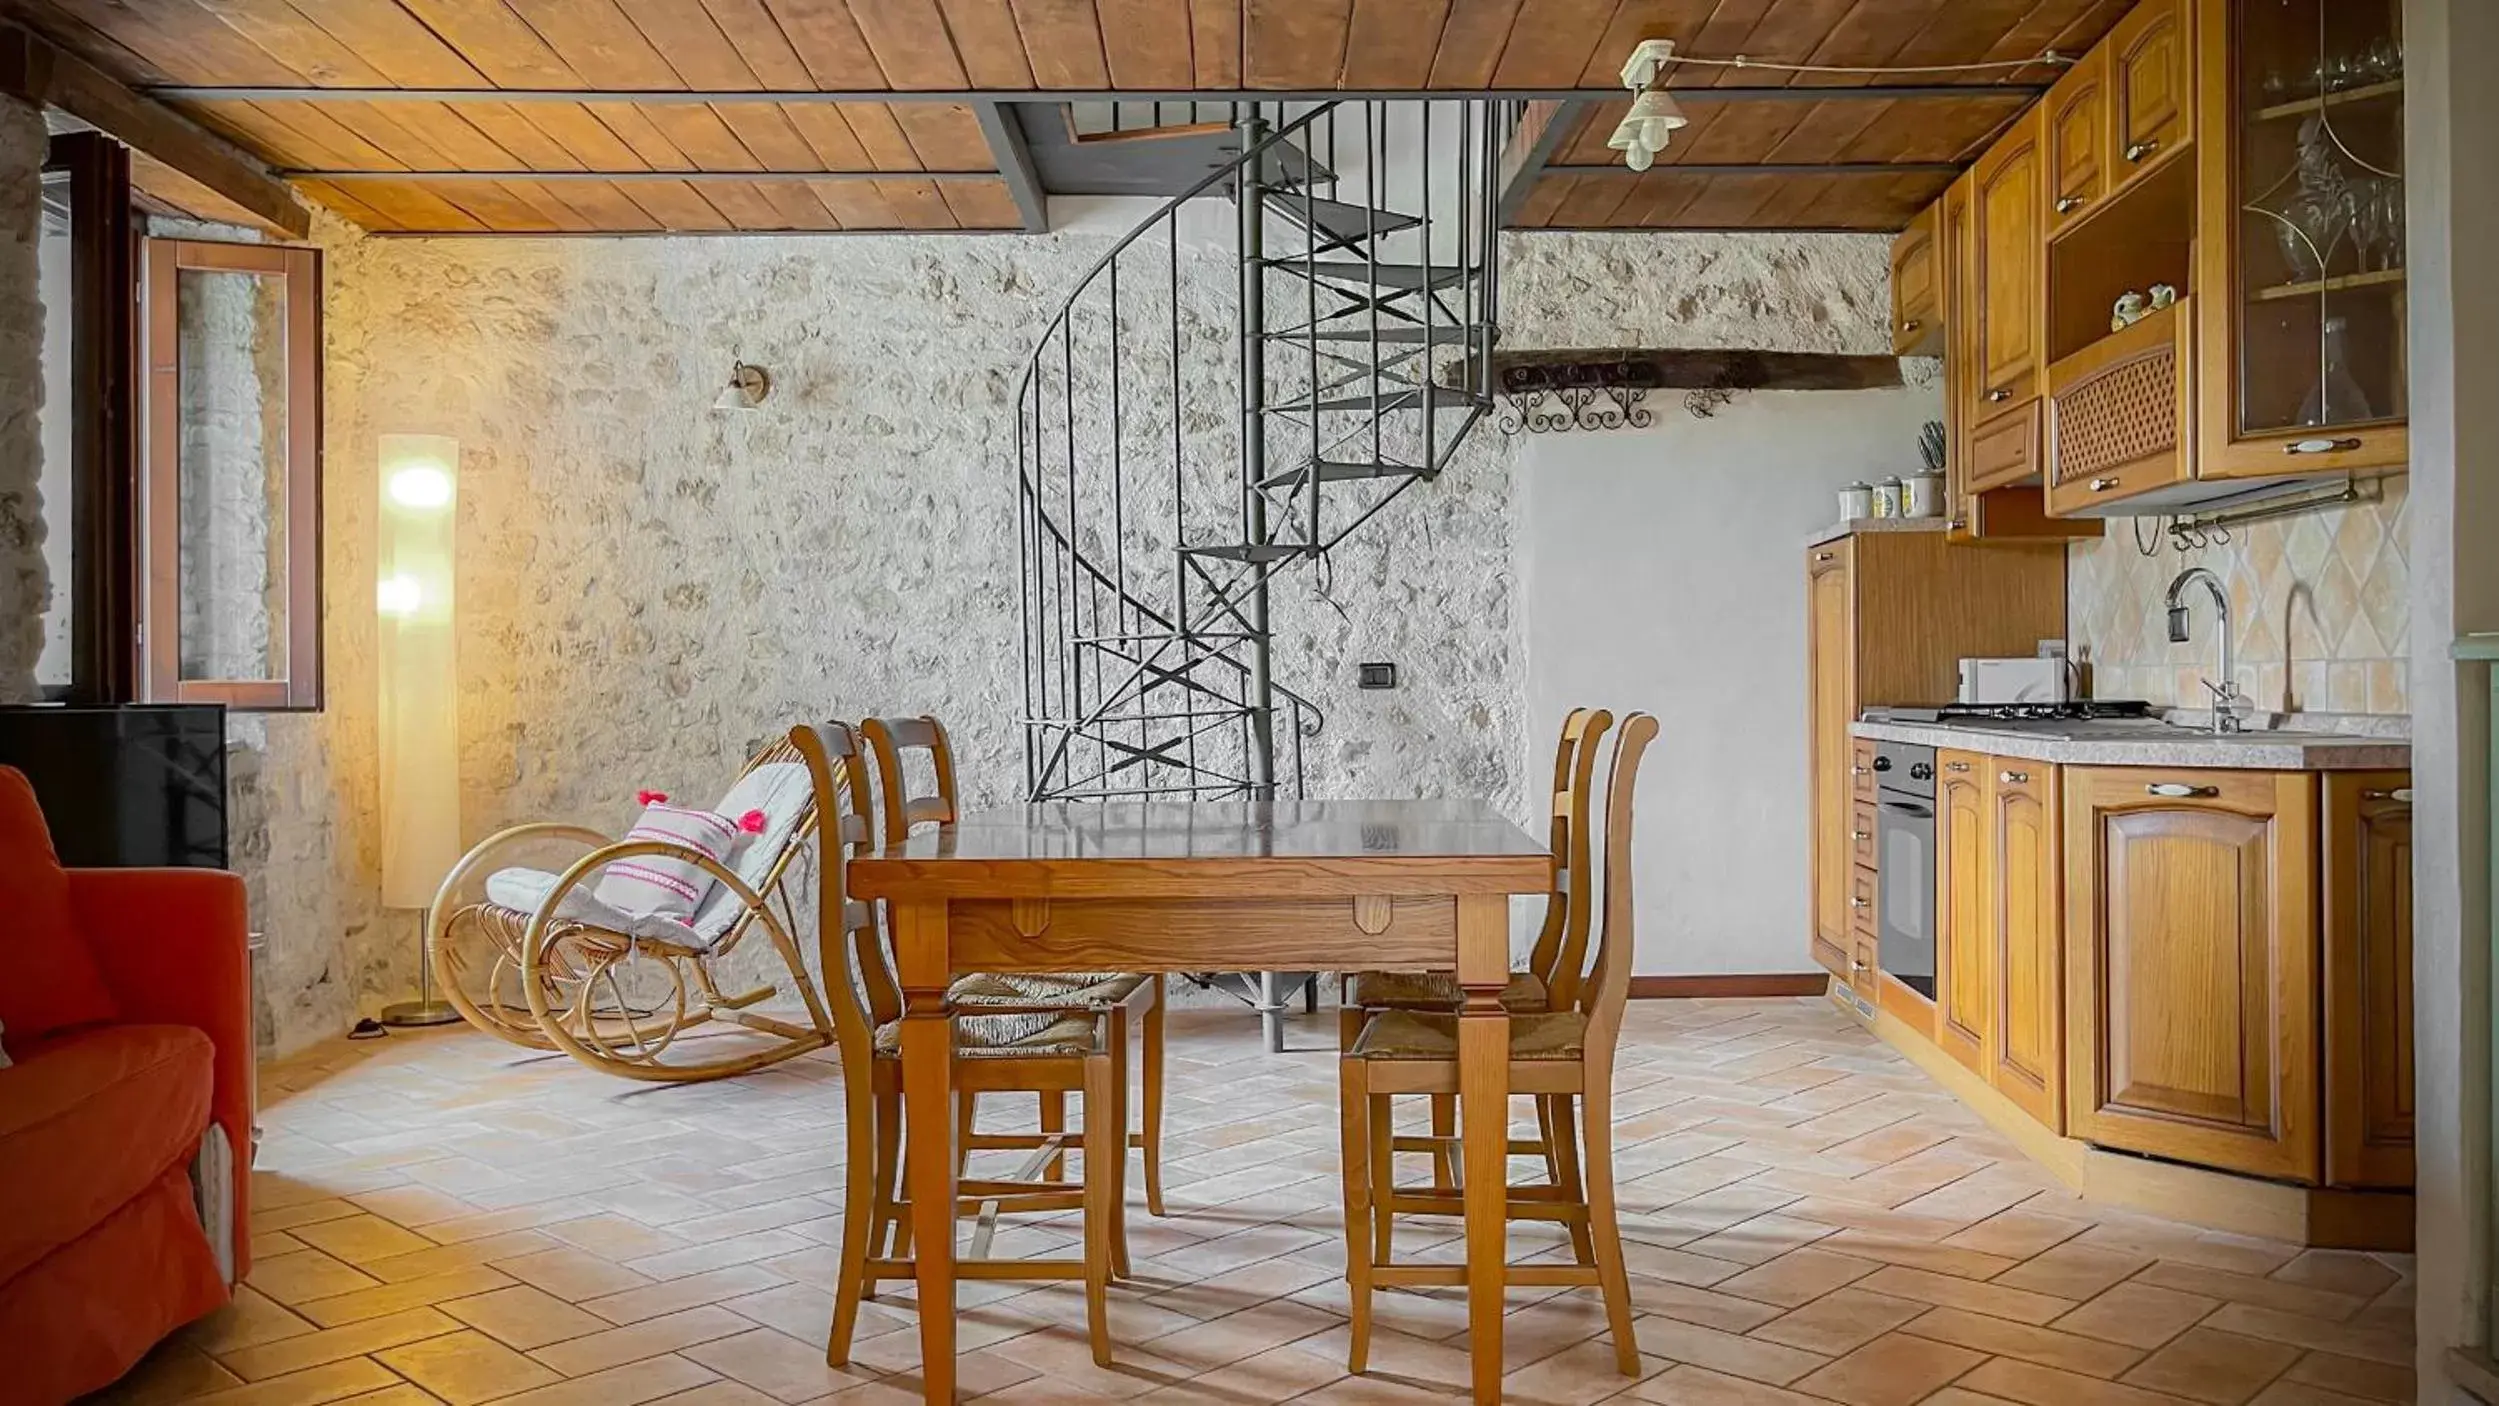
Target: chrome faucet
{"points": [[2226, 692]]}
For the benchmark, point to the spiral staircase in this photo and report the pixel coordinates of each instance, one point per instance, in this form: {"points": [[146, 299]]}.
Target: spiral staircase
{"points": [[1223, 398]]}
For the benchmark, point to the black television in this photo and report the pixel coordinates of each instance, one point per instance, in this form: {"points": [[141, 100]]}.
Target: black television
{"points": [[134, 786]]}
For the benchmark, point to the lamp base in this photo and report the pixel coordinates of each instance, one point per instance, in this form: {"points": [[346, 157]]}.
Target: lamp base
{"points": [[414, 1013]]}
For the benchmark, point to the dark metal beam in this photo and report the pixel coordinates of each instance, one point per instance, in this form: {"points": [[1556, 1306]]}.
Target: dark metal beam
{"points": [[1759, 168], [1005, 135], [973, 96], [1519, 176], [698, 177]]}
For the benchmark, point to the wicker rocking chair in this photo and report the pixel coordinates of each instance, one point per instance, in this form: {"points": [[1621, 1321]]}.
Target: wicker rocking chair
{"points": [[535, 956]]}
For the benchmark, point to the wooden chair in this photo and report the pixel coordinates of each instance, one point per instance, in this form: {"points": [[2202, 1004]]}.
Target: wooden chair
{"points": [[1564, 1056], [891, 742], [1051, 1049], [1551, 980], [534, 956]]}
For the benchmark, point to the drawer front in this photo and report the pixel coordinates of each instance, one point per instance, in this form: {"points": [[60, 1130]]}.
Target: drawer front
{"points": [[2005, 449], [1861, 902], [1861, 835], [1863, 976], [1861, 770]]}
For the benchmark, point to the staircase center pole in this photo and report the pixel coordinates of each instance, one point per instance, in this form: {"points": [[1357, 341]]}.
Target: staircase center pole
{"points": [[1250, 192]]}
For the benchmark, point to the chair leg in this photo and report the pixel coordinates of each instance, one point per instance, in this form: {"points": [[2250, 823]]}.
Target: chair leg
{"points": [[1379, 1118], [863, 1196], [1101, 1185], [1054, 1120], [1118, 1167], [888, 1170], [1544, 1133], [1562, 1156], [1606, 1232], [1154, 1100], [1354, 1108], [967, 1107], [1444, 1142]]}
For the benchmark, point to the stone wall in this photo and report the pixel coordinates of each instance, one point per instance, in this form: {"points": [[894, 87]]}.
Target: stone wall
{"points": [[2320, 610], [25, 584]]}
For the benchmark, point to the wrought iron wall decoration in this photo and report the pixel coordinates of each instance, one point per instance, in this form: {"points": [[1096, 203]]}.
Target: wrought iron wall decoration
{"points": [[1545, 399], [1547, 392]]}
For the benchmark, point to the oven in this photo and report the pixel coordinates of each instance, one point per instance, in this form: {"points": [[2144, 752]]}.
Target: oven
{"points": [[1904, 829]]}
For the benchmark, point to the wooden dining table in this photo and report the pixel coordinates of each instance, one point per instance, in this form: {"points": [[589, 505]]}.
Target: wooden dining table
{"points": [[1171, 887]]}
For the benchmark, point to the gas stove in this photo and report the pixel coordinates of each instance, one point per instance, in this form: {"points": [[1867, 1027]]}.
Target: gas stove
{"points": [[2072, 710]]}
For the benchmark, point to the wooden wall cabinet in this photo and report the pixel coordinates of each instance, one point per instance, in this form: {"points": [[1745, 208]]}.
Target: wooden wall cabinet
{"points": [[2151, 82], [1888, 621], [2191, 981], [2367, 895], [1918, 288], [2076, 131], [1964, 969], [2025, 928], [2005, 284]]}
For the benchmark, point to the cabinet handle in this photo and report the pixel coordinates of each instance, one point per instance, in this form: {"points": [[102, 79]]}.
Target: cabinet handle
{"points": [[1856, 903], [1863, 835], [1856, 771], [2103, 485], [2013, 778], [2179, 789], [1910, 325], [2321, 446], [1999, 395], [1822, 556], [2401, 795], [1956, 766], [2136, 151], [1956, 524], [2068, 204]]}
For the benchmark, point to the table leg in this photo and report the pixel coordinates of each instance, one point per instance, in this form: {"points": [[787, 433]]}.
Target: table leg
{"points": [[1484, 1103], [920, 948]]}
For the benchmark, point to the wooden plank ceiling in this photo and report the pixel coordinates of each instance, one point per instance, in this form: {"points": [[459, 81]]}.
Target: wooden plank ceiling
{"points": [[461, 159]]}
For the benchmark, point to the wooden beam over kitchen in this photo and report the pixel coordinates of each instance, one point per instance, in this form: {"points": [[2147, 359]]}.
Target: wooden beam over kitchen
{"points": [[32, 68]]}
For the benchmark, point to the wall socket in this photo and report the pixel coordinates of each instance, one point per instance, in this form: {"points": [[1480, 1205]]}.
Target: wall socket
{"points": [[1376, 675]]}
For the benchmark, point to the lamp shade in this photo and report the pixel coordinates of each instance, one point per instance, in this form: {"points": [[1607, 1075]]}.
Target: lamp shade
{"points": [[418, 659]]}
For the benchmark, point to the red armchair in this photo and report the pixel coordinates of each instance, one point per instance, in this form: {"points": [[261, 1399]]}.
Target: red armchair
{"points": [[125, 1010]]}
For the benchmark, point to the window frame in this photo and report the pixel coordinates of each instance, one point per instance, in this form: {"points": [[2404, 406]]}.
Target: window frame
{"points": [[160, 525]]}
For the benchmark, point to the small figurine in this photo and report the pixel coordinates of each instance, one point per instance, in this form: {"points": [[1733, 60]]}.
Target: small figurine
{"points": [[2163, 295], [2130, 310]]}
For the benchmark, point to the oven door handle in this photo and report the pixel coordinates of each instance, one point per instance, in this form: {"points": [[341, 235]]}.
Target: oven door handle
{"points": [[1909, 808]]}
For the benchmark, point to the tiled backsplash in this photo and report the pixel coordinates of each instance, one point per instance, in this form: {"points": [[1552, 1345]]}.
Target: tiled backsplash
{"points": [[2318, 602]]}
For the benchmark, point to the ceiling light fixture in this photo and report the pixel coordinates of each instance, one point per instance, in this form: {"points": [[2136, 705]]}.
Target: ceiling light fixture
{"points": [[1654, 115]]}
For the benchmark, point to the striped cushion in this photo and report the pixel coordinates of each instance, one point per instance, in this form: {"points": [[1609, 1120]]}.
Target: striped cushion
{"points": [[663, 885]]}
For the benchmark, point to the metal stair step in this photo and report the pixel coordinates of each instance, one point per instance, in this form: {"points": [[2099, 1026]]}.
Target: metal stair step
{"points": [[1343, 471], [1252, 552], [1336, 219], [1404, 277]]}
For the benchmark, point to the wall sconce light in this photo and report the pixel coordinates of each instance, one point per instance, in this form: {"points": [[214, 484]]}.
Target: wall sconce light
{"points": [[419, 676], [1655, 115], [748, 385]]}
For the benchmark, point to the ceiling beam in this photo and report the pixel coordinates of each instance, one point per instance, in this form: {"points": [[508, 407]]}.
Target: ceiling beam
{"points": [[35, 70], [1765, 168], [1005, 134], [1523, 164], [975, 96], [559, 177]]}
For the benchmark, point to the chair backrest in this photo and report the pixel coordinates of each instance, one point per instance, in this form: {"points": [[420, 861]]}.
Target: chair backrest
{"points": [[851, 958], [774, 783], [1560, 956], [889, 740], [1609, 984]]}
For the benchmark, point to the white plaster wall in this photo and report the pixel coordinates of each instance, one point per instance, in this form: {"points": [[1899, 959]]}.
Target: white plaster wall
{"points": [[1665, 572], [52, 669], [24, 580]]}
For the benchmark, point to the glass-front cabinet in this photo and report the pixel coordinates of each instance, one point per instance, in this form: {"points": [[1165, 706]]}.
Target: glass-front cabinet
{"points": [[2301, 225]]}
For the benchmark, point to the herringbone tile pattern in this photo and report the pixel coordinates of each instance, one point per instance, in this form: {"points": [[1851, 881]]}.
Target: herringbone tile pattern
{"points": [[444, 1218]]}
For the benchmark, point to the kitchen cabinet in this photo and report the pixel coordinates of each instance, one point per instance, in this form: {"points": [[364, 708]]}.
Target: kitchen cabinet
{"points": [[1964, 981], [2191, 978], [2025, 928], [1832, 690], [1917, 289], [1888, 621], [2301, 261], [2151, 79], [2076, 133], [2005, 285], [2367, 897]]}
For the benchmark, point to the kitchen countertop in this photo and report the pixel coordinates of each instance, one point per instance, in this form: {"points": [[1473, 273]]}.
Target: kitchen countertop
{"points": [[1853, 526], [2361, 745]]}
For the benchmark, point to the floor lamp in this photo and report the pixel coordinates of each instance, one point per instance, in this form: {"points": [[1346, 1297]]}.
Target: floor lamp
{"points": [[419, 675]]}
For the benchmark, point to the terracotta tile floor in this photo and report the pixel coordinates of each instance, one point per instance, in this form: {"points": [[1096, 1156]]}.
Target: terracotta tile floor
{"points": [[443, 1218]]}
